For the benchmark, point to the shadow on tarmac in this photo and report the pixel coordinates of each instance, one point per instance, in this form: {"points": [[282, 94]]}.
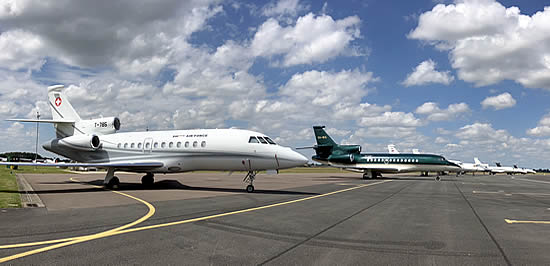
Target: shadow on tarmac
{"points": [[160, 185]]}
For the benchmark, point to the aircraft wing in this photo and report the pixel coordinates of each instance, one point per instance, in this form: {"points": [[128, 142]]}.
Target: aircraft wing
{"points": [[363, 167], [375, 169], [122, 165]]}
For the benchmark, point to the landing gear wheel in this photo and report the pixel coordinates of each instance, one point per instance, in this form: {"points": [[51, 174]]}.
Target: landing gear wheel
{"points": [[148, 180], [113, 183], [437, 178], [250, 179]]}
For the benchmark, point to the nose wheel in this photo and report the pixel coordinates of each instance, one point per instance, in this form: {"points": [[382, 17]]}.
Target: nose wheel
{"points": [[250, 179]]}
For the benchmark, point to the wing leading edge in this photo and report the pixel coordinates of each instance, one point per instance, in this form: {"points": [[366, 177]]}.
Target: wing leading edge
{"points": [[137, 165]]}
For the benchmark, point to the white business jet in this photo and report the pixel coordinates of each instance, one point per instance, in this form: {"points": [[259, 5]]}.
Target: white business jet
{"points": [[95, 143], [477, 166]]}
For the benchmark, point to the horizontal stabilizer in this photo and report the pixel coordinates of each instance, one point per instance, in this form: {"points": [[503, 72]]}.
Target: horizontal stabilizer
{"points": [[303, 148], [42, 121]]}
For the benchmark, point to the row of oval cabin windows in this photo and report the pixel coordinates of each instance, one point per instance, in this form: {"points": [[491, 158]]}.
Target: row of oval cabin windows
{"points": [[163, 145], [392, 160]]}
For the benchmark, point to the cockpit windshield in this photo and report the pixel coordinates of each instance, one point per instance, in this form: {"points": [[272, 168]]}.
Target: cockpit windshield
{"points": [[262, 140], [270, 141]]}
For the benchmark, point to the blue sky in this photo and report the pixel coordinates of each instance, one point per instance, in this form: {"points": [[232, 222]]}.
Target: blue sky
{"points": [[412, 73]]}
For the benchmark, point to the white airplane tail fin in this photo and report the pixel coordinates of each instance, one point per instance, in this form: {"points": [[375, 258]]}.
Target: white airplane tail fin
{"points": [[476, 161], [67, 122], [60, 105], [62, 110], [392, 149]]}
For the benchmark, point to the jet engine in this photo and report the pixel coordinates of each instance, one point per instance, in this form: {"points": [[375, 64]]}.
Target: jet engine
{"points": [[99, 126], [350, 148], [81, 142]]}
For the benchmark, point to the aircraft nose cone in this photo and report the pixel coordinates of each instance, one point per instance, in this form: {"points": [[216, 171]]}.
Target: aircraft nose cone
{"points": [[290, 158], [300, 159]]}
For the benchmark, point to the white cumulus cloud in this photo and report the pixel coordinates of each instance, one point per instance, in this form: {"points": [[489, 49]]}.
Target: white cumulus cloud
{"points": [[283, 7], [391, 119], [488, 43], [435, 113], [312, 39], [425, 73], [501, 101], [543, 127]]}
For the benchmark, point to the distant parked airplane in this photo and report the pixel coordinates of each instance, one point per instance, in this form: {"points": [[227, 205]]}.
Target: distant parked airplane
{"points": [[372, 165]]}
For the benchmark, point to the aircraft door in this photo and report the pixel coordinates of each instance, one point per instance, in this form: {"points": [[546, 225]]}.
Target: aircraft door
{"points": [[147, 145]]}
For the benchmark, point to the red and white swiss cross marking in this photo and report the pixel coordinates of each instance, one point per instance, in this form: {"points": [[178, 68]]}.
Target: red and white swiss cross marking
{"points": [[57, 101]]}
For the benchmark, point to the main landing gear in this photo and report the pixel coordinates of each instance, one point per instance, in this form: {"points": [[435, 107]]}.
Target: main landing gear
{"points": [[370, 174], [250, 179], [111, 181], [148, 179]]}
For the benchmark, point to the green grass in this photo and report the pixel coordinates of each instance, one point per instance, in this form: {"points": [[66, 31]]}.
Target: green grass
{"points": [[9, 193], [39, 170]]}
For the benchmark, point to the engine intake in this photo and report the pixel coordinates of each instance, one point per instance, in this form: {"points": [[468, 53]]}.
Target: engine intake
{"points": [[100, 126], [351, 148], [81, 142]]}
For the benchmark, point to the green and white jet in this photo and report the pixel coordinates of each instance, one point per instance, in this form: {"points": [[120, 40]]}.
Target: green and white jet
{"points": [[372, 165]]}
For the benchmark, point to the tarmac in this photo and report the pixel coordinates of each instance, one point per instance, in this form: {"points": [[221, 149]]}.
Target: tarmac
{"points": [[291, 219]]}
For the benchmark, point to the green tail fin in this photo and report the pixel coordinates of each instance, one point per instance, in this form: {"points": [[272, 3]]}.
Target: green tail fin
{"points": [[323, 139]]}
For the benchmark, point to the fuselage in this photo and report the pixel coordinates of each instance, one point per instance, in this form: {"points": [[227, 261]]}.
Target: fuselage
{"points": [[188, 150], [392, 163]]}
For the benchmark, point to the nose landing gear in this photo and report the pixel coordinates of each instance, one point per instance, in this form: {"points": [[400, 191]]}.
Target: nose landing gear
{"points": [[250, 179]]}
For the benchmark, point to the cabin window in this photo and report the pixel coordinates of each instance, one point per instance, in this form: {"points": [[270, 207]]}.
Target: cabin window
{"points": [[171, 144], [179, 144], [262, 140], [253, 140], [187, 144], [126, 145], [147, 145], [156, 145], [139, 145], [195, 144], [270, 141], [118, 146], [203, 144], [163, 145]]}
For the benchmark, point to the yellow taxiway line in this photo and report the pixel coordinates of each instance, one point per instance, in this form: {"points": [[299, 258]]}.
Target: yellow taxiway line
{"points": [[112, 232], [525, 222], [150, 213]]}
